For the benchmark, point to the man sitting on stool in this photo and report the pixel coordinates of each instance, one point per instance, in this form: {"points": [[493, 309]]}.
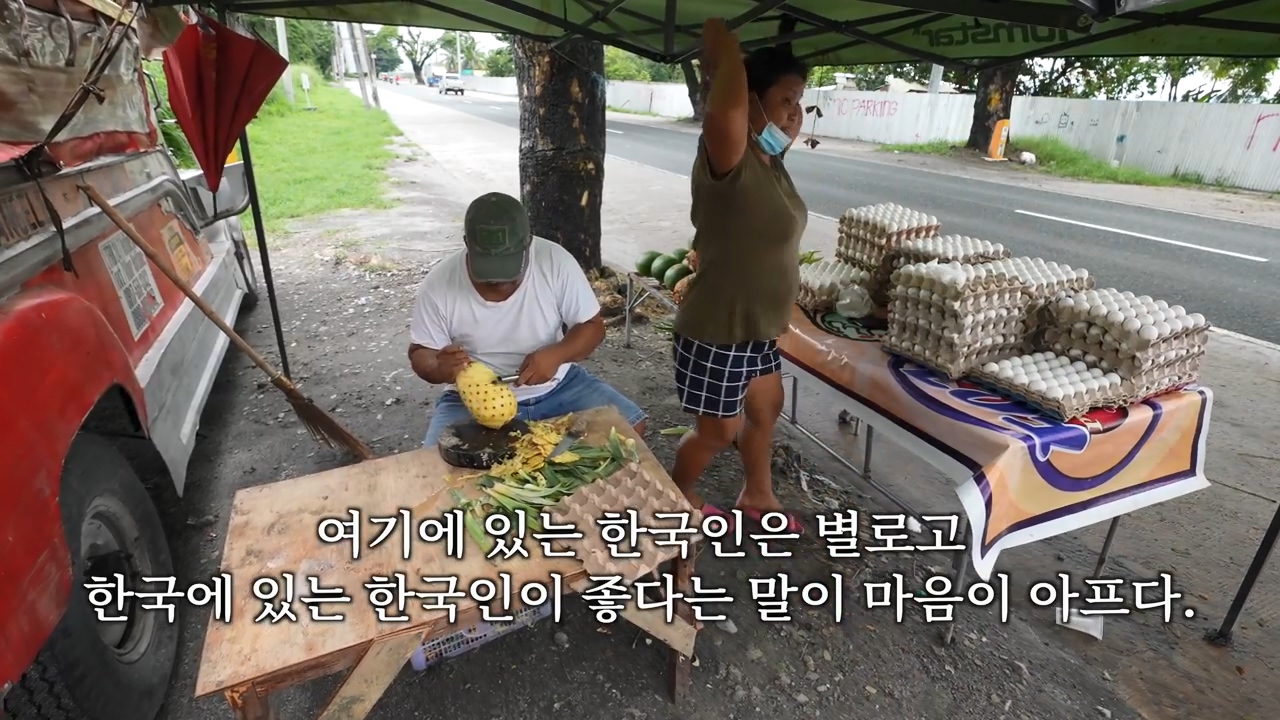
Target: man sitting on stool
{"points": [[505, 301]]}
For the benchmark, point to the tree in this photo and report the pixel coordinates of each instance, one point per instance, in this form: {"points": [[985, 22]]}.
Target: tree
{"points": [[694, 86], [562, 142], [499, 63], [470, 55], [993, 101], [622, 65], [311, 42], [383, 47], [418, 50], [1243, 79]]}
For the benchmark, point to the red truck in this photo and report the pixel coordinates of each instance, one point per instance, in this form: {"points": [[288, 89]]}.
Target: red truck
{"points": [[105, 363]]}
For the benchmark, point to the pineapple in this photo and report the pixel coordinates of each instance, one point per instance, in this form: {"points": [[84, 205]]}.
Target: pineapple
{"points": [[681, 289], [488, 399], [692, 260]]}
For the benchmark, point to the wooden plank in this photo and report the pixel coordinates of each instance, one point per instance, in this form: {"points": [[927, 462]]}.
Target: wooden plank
{"points": [[371, 677], [273, 530], [681, 664]]}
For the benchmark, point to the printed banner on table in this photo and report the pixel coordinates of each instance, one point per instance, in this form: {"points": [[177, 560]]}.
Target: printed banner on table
{"points": [[1023, 476]]}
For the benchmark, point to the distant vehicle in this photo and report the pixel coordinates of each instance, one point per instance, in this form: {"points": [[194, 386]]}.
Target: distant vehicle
{"points": [[433, 81], [452, 83]]}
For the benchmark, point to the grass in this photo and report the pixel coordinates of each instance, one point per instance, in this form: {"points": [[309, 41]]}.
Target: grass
{"points": [[1055, 157], [308, 162]]}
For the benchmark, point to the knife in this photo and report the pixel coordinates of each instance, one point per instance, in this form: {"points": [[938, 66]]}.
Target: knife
{"points": [[565, 444], [508, 379]]}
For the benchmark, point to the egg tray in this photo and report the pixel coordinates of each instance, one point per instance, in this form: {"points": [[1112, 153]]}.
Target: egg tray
{"points": [[993, 299], [946, 340], [1064, 409], [1190, 343], [914, 251], [953, 367], [815, 303], [1048, 292], [631, 488], [1095, 333]]}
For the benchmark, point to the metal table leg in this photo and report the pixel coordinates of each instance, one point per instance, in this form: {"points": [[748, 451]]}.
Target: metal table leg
{"points": [[1105, 554], [1222, 636]]}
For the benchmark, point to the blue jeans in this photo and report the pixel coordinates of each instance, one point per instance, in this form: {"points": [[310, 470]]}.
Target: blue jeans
{"points": [[578, 391]]}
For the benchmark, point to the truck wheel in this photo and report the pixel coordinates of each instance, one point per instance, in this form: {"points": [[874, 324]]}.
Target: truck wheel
{"points": [[95, 670]]}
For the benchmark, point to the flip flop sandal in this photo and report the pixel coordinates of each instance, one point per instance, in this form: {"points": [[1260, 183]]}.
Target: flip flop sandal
{"points": [[757, 516]]}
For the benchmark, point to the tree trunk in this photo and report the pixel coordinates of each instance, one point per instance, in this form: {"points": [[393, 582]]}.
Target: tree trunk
{"points": [[694, 86], [417, 71], [993, 101], [562, 138]]}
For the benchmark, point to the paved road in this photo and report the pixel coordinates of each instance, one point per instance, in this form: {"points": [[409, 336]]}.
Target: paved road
{"points": [[1228, 271]]}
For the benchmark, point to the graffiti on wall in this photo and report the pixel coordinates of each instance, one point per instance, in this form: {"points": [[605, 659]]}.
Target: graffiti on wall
{"points": [[1272, 121], [860, 107]]}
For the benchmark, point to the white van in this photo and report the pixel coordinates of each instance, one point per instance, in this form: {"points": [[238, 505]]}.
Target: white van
{"points": [[452, 83]]}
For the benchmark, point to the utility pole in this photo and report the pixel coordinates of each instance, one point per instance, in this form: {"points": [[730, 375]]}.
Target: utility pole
{"points": [[935, 79], [282, 44], [355, 44], [339, 54], [362, 47]]}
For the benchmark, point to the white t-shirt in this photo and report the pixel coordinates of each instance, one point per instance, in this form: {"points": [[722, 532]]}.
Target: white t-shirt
{"points": [[554, 293]]}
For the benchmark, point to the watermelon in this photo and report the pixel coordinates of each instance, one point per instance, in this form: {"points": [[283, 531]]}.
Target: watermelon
{"points": [[679, 254], [675, 274], [645, 264], [661, 265]]}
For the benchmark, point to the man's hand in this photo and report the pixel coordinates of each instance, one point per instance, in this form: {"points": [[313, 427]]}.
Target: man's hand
{"points": [[539, 366], [451, 360]]}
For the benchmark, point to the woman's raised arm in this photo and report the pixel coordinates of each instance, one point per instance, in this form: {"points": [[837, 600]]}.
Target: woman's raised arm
{"points": [[724, 120]]}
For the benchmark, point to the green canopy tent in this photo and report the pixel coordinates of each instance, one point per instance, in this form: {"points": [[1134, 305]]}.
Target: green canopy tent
{"points": [[955, 33], [961, 34]]}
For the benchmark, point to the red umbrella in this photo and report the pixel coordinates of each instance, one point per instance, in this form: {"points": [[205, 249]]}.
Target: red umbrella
{"points": [[218, 80]]}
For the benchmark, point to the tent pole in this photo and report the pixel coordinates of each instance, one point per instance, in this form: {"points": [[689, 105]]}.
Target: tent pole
{"points": [[265, 258], [256, 206], [1222, 636]]}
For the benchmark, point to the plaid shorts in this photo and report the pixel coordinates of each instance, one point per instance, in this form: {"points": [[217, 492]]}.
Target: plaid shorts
{"points": [[712, 379]]}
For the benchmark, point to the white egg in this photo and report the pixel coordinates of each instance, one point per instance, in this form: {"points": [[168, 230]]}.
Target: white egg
{"points": [[1148, 333], [1090, 359], [1005, 373], [1146, 320], [1197, 320], [1090, 385], [1175, 326], [1054, 393], [1178, 311], [1112, 379], [990, 368], [1020, 379], [1158, 316], [1162, 304], [1115, 317], [1079, 366], [1037, 386], [1163, 329]]}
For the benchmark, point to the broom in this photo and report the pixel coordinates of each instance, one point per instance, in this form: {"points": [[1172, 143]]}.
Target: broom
{"points": [[323, 428]]}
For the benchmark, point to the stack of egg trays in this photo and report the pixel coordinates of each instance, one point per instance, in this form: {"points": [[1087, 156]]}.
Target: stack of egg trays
{"points": [[1067, 408], [959, 342], [867, 249], [1148, 367], [810, 300], [913, 251]]}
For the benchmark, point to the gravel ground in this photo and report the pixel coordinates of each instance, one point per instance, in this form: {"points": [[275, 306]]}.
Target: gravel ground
{"points": [[345, 283]]}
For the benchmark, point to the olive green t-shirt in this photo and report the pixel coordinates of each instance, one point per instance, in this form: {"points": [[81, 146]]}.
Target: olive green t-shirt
{"points": [[747, 236]]}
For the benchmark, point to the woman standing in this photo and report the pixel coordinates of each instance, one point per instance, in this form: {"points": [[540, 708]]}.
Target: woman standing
{"points": [[748, 219]]}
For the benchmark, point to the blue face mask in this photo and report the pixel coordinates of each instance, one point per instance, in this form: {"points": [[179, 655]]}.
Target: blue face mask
{"points": [[772, 140]]}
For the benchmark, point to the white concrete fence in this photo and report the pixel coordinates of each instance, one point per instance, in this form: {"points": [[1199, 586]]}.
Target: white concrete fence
{"points": [[1235, 145]]}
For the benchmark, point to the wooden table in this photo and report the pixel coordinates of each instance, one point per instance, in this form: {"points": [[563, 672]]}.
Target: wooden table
{"points": [[273, 531]]}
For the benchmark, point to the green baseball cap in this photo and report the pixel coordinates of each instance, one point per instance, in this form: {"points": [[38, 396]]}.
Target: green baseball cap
{"points": [[496, 233]]}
